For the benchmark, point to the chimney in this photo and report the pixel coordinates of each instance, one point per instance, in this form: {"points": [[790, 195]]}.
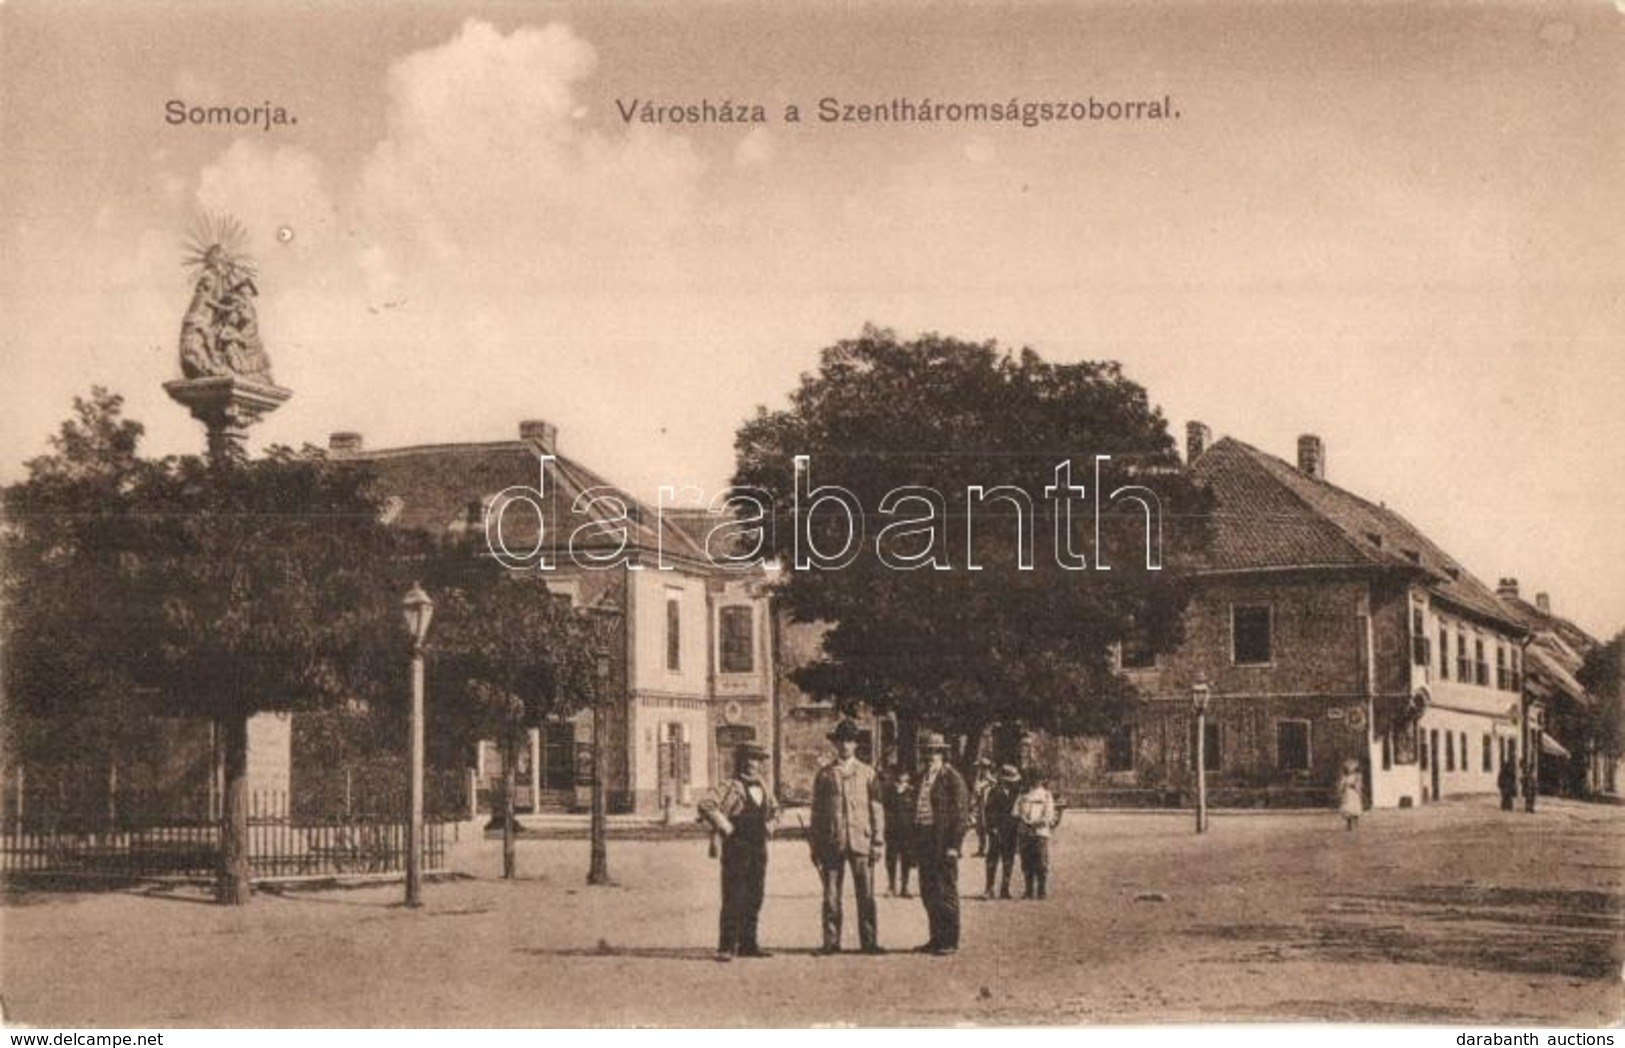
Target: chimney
{"points": [[1543, 601], [543, 434], [1507, 588], [344, 443], [1312, 456], [1197, 437]]}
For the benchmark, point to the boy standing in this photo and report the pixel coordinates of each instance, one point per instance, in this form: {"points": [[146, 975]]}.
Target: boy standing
{"points": [[1035, 815], [900, 802], [999, 816]]}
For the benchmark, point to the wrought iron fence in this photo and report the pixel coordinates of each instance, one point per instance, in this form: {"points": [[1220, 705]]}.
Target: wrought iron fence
{"points": [[69, 847], [281, 845]]}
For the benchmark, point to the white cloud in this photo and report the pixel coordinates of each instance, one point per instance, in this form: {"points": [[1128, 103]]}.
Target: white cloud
{"points": [[486, 162]]}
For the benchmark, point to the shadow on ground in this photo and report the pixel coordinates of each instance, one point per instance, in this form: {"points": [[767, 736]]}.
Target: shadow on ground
{"points": [[1512, 930]]}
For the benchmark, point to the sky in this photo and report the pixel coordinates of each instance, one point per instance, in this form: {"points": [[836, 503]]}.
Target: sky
{"points": [[1400, 227]]}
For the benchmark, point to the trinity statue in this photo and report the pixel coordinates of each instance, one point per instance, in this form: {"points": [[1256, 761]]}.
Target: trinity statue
{"points": [[220, 333], [226, 381]]}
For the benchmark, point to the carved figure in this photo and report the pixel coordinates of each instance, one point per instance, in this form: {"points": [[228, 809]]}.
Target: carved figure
{"points": [[220, 331]]}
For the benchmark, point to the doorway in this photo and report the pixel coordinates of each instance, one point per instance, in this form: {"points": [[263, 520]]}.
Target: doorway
{"points": [[1433, 762]]}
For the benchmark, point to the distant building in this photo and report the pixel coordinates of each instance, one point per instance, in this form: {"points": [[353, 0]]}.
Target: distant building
{"points": [[1557, 649]]}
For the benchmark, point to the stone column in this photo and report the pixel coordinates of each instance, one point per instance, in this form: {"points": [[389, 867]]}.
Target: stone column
{"points": [[227, 406]]}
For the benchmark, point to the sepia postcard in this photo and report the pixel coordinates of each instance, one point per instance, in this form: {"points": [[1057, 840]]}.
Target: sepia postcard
{"points": [[751, 515]]}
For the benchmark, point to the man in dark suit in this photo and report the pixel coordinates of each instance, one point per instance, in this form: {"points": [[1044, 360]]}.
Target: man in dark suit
{"points": [[941, 820], [743, 816]]}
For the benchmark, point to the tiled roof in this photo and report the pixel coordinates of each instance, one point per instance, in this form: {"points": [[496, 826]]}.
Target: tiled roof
{"points": [[1271, 515], [1557, 649], [444, 488]]}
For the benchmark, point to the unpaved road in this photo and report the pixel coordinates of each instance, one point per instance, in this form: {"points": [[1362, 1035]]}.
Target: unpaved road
{"points": [[1454, 914]]}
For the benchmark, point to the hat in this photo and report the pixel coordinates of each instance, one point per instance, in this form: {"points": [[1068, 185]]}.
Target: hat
{"points": [[983, 762], [933, 741], [1351, 765], [750, 751], [845, 730], [1008, 773]]}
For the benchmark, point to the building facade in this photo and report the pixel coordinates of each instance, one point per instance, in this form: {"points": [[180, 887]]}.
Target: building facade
{"points": [[694, 675], [1326, 628]]}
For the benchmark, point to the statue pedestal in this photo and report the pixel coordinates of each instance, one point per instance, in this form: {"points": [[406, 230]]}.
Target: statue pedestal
{"points": [[227, 406]]}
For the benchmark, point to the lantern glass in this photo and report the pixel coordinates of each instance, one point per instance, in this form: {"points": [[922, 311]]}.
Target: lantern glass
{"points": [[417, 609], [1200, 693]]}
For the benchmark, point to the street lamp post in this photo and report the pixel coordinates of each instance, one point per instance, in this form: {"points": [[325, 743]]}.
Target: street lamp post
{"points": [[598, 867], [418, 610], [1200, 693], [607, 612]]}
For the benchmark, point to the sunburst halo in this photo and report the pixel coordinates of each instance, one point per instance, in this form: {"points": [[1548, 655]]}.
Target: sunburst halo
{"points": [[219, 236]]}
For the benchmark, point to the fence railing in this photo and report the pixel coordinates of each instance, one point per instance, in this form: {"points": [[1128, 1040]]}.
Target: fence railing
{"points": [[281, 845], [64, 848]]}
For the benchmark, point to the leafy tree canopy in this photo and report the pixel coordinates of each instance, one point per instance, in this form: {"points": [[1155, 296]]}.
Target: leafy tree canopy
{"points": [[1603, 675], [953, 647], [136, 586], [505, 656]]}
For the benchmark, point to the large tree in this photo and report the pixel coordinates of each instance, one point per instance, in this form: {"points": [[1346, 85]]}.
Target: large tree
{"points": [[68, 700], [915, 629], [212, 589], [1603, 675]]}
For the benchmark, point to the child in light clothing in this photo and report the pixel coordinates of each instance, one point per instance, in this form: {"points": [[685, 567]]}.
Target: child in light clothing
{"points": [[1351, 794], [1035, 818]]}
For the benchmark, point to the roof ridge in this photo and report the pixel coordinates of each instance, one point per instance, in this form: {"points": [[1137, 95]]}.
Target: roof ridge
{"points": [[1454, 584], [1315, 511]]}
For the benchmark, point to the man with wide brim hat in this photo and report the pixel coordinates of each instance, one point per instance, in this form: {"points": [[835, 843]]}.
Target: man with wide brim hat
{"points": [[941, 820], [847, 830], [742, 816]]}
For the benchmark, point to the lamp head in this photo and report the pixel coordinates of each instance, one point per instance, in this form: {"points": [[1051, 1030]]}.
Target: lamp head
{"points": [[418, 610]]}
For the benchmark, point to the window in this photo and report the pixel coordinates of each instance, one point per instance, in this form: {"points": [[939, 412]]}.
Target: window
{"points": [[1387, 750], [1444, 653], [1212, 756], [1250, 635], [1292, 745], [1422, 747], [1464, 762], [1120, 749], [1489, 761], [674, 632], [1503, 679], [1419, 640], [1479, 663], [1449, 752], [1464, 665], [738, 639]]}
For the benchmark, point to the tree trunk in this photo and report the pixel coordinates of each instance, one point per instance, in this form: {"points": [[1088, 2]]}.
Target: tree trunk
{"points": [[233, 887], [510, 783], [908, 739], [973, 746], [112, 793]]}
